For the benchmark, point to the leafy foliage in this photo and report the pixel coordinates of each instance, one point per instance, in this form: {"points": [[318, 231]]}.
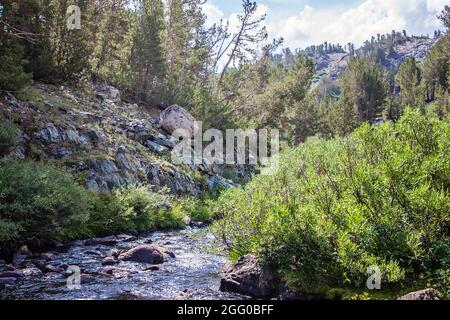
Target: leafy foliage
{"points": [[8, 137], [334, 208], [39, 202]]}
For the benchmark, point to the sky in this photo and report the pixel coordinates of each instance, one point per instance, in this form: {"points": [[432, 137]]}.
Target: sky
{"points": [[303, 22]]}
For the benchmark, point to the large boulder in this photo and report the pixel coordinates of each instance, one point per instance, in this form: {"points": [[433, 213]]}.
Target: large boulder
{"points": [[250, 278], [148, 253], [176, 117], [427, 294], [107, 93]]}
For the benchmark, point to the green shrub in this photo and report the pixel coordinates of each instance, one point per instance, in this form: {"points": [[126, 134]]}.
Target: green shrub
{"points": [[334, 208], [143, 209], [195, 208], [40, 202], [8, 137]]}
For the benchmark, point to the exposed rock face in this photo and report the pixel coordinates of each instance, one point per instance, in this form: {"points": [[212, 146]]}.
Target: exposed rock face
{"points": [[110, 144], [334, 64], [250, 278], [176, 117], [427, 294]]}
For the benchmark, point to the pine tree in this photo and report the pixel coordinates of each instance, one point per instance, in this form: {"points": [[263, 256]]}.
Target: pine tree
{"points": [[363, 88], [148, 64], [409, 79]]}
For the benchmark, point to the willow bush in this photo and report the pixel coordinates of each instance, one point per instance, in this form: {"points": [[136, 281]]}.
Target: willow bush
{"points": [[380, 197]]}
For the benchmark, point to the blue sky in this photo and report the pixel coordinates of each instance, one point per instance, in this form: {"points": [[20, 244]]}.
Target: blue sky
{"points": [[306, 22]]}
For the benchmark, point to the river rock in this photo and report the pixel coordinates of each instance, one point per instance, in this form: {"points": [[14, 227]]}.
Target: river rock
{"points": [[250, 278], [176, 117], [427, 294], [150, 254], [24, 251], [86, 279], [49, 268], [7, 281], [31, 272], [109, 261], [12, 274]]}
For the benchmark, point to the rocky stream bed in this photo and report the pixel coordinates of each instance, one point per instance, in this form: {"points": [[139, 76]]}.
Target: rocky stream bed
{"points": [[193, 261]]}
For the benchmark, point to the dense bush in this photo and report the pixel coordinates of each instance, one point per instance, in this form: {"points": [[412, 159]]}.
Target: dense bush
{"points": [[12, 74], [379, 197], [144, 209], [39, 202], [133, 208], [8, 137]]}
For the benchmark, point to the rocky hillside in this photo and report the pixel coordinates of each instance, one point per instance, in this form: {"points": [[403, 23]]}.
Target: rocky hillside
{"points": [[333, 64], [104, 141]]}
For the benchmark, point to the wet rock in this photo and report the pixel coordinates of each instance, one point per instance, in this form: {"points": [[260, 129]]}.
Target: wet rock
{"points": [[150, 254], [12, 274], [24, 251], [427, 294], [93, 253], [9, 267], [116, 272], [50, 268], [152, 268], [31, 272], [250, 278], [114, 253], [176, 117], [109, 261], [7, 281], [48, 256], [86, 279], [165, 251]]}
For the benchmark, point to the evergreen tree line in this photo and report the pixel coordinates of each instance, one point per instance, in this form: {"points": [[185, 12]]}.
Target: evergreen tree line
{"points": [[161, 52]]}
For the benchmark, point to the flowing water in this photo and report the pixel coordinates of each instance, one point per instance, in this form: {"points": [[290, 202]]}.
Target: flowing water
{"points": [[194, 273]]}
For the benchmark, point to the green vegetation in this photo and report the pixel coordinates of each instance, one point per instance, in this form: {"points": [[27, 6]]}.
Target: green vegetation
{"points": [[334, 208], [39, 202], [8, 137]]}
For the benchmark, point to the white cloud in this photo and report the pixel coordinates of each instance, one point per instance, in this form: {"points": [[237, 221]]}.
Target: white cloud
{"points": [[357, 24], [213, 14]]}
